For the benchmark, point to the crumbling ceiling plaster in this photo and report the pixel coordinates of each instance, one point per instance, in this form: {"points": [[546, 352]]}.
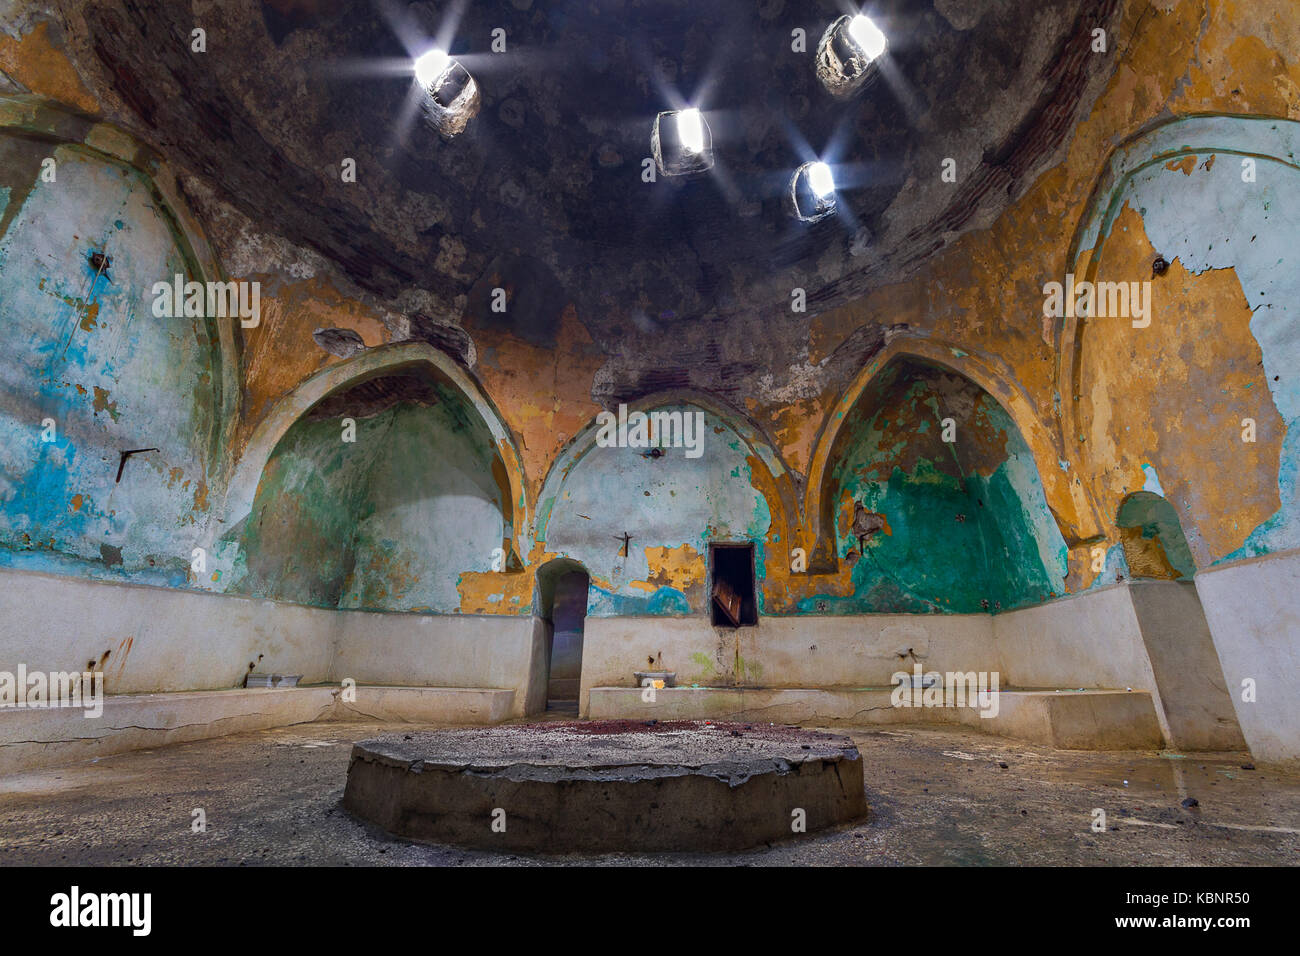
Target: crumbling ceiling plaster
{"points": [[549, 172]]}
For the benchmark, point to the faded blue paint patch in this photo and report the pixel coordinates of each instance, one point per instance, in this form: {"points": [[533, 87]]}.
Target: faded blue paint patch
{"points": [[84, 351], [50, 562], [669, 601], [602, 602], [668, 502], [1152, 483]]}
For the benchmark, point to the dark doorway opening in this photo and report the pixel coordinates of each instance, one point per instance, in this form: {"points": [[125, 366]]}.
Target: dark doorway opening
{"points": [[563, 596], [734, 603]]}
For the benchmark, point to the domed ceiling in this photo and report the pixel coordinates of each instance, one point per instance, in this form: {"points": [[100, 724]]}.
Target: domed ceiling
{"points": [[543, 192]]}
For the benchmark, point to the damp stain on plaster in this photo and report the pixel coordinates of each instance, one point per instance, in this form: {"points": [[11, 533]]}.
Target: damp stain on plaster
{"points": [[36, 62]]}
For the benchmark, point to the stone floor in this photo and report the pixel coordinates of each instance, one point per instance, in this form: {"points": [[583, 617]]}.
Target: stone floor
{"points": [[937, 797]]}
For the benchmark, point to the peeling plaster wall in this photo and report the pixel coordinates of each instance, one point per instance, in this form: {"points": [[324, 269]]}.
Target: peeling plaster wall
{"points": [[388, 522], [672, 506], [1165, 408], [1252, 230], [984, 293], [83, 348], [1159, 405], [966, 527], [1222, 347]]}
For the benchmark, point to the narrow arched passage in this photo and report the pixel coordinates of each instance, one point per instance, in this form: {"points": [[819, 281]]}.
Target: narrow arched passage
{"points": [[561, 607]]}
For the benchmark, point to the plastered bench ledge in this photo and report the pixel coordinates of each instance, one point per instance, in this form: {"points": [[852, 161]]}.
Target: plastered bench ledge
{"points": [[1068, 719], [434, 705], [38, 738]]}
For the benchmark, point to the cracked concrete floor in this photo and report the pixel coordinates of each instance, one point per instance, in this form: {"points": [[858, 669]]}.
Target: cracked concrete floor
{"points": [[937, 798]]}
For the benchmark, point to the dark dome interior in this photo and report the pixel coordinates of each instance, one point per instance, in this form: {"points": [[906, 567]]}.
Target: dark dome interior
{"points": [[547, 178]]}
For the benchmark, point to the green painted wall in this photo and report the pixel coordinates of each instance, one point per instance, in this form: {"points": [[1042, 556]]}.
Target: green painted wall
{"points": [[298, 538], [968, 528], [388, 522]]}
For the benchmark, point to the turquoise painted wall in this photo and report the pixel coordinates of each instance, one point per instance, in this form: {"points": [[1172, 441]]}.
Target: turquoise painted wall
{"points": [[87, 352], [968, 525]]}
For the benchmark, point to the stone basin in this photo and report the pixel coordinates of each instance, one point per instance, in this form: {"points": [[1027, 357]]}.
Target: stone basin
{"points": [[619, 785]]}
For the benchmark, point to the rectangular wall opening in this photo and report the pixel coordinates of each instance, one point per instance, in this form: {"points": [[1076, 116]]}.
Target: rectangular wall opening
{"points": [[734, 602]]}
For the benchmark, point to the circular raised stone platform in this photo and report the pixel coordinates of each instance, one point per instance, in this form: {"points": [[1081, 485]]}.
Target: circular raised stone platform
{"points": [[607, 785]]}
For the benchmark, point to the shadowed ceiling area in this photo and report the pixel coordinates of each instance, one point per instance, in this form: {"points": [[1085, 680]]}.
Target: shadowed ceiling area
{"points": [[543, 193]]}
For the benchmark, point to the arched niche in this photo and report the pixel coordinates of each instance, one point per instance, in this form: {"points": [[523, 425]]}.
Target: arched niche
{"points": [[423, 493], [385, 360], [1216, 198], [1153, 540], [673, 506], [114, 417], [1067, 498], [931, 495]]}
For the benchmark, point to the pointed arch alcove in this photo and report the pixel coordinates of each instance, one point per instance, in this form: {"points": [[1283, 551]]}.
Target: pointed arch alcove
{"points": [[671, 502], [383, 481], [928, 490], [113, 414], [1067, 497]]}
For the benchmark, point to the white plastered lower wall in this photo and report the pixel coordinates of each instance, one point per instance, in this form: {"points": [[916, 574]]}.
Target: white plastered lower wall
{"points": [[1090, 640], [1253, 608], [167, 640], [161, 640], [1085, 640], [779, 651]]}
